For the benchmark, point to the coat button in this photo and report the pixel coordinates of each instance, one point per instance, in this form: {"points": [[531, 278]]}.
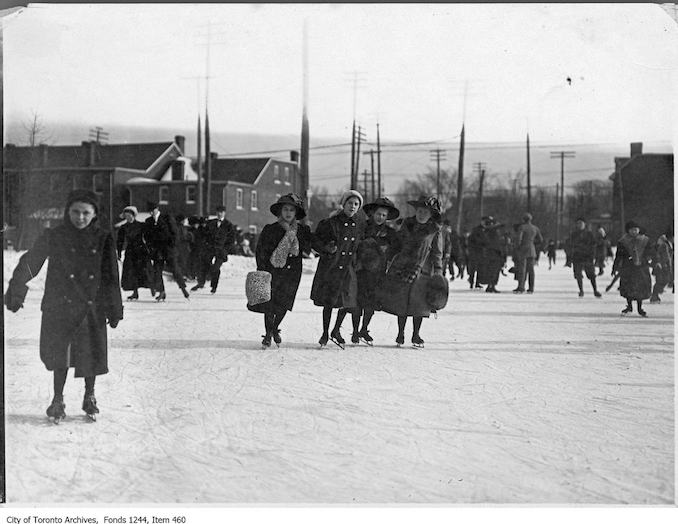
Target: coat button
{"points": [[91, 277], [72, 250], [343, 252], [94, 251], [289, 267], [346, 223], [71, 276], [345, 238], [352, 238], [350, 252], [89, 302], [341, 267]]}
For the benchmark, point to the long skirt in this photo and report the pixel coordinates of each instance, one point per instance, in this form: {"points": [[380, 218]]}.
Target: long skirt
{"points": [[635, 282]]}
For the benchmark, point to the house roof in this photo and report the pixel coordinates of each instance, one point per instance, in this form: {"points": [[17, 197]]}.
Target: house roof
{"points": [[131, 156], [243, 170]]}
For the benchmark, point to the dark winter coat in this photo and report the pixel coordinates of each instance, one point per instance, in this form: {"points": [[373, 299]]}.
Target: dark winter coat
{"points": [[493, 256], [161, 237], [136, 268], [284, 280], [601, 248], [372, 261], [632, 261], [418, 253], [581, 246], [335, 283], [81, 292], [477, 240], [220, 238]]}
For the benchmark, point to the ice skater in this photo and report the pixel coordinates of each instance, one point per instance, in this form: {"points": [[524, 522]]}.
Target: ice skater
{"points": [[335, 284], [528, 238], [220, 235], [634, 255], [551, 253], [417, 255], [137, 270], [663, 271], [580, 255], [160, 232], [279, 251], [379, 238], [82, 292]]}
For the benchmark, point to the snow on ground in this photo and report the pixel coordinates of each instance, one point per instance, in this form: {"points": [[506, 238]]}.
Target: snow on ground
{"points": [[546, 398]]}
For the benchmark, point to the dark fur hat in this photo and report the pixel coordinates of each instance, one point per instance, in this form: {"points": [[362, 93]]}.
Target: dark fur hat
{"points": [[82, 195]]}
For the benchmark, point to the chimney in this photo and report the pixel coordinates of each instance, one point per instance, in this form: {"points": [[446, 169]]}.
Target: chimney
{"points": [[43, 154], [89, 152], [294, 156], [178, 170], [180, 141], [636, 148]]}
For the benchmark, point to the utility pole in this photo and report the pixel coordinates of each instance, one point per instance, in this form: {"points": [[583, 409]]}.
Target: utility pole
{"points": [[479, 167], [357, 77], [557, 216], [372, 194], [460, 181], [201, 196], [365, 174], [98, 134], [359, 137], [529, 180], [378, 163], [562, 155], [439, 154], [303, 160]]}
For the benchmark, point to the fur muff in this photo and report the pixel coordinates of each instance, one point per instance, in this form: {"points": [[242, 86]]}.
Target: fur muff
{"points": [[369, 255], [437, 292], [258, 287]]}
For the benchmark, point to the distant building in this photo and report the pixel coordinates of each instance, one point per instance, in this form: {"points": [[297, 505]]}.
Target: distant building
{"points": [[36, 180], [642, 191]]}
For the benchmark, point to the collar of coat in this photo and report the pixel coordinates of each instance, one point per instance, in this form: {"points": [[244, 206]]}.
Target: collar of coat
{"points": [[634, 245], [429, 227]]}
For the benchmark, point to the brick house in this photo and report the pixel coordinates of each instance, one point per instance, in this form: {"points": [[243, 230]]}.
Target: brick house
{"points": [[642, 191], [37, 179]]}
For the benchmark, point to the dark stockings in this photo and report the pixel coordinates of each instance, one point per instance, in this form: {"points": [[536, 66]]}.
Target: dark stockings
{"points": [[367, 316], [327, 316], [60, 381], [355, 318], [416, 321], [272, 320], [341, 314], [401, 326]]}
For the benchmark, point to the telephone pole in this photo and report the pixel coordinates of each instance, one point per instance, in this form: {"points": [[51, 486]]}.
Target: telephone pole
{"points": [[358, 138], [357, 78], [378, 163], [479, 167], [439, 154], [529, 179], [562, 155]]}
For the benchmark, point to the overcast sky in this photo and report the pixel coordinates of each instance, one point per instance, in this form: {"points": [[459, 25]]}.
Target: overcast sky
{"points": [[132, 65]]}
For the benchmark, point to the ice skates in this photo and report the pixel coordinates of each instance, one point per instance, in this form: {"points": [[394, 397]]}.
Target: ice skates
{"points": [[417, 342], [365, 335], [196, 287], [185, 293], [642, 312], [57, 410], [89, 406], [400, 340], [336, 337], [627, 309], [133, 296], [161, 297], [266, 341], [323, 340], [355, 338], [276, 337]]}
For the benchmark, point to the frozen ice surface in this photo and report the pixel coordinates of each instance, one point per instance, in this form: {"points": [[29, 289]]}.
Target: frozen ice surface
{"points": [[544, 398]]}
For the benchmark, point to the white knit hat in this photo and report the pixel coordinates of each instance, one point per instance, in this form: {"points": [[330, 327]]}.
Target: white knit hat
{"points": [[351, 193]]}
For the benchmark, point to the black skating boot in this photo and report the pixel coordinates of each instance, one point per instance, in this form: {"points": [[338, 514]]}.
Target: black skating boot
{"points": [[184, 292], [276, 337], [161, 297], [133, 296], [355, 338], [417, 341], [365, 335], [400, 339], [323, 340], [57, 409], [89, 405], [266, 341], [335, 336]]}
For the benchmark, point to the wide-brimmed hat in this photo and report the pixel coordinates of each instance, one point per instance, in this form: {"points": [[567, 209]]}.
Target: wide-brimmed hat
{"points": [[293, 200], [429, 202], [631, 224], [129, 209], [384, 202]]}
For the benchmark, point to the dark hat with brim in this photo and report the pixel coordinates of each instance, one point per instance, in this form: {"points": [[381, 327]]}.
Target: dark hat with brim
{"points": [[631, 224], [384, 202], [292, 200], [429, 202]]}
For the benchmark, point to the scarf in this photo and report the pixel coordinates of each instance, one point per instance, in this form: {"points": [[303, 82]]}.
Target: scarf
{"points": [[635, 247], [288, 245]]}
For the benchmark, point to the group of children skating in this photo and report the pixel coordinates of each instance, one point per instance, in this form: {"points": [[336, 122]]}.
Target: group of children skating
{"points": [[365, 266]]}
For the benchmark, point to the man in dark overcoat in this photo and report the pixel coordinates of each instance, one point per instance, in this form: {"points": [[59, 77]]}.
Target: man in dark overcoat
{"points": [[581, 246], [219, 237]]}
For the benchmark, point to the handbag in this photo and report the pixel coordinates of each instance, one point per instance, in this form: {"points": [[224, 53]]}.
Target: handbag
{"points": [[258, 287]]}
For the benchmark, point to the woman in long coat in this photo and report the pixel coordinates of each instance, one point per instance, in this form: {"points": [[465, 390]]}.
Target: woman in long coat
{"points": [[494, 256], [136, 268], [634, 255], [335, 284], [379, 238], [81, 293], [279, 251], [417, 256]]}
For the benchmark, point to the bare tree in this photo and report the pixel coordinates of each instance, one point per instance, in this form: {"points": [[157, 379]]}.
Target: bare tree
{"points": [[36, 130]]}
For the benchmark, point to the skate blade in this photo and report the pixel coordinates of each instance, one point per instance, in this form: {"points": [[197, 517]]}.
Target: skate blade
{"points": [[417, 346], [340, 346], [92, 417], [56, 420], [366, 342]]}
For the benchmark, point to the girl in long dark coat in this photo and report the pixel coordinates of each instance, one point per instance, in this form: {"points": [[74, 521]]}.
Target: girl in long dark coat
{"points": [[136, 268], [494, 256], [379, 238], [335, 284], [634, 256], [416, 257], [280, 250], [81, 293]]}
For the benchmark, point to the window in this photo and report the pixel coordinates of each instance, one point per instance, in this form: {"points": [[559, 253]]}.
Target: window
{"points": [[276, 174], [253, 230], [238, 198], [98, 183], [287, 176], [190, 194], [164, 195], [253, 200]]}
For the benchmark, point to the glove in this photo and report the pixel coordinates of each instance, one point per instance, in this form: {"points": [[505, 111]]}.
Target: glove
{"points": [[13, 302], [113, 323]]}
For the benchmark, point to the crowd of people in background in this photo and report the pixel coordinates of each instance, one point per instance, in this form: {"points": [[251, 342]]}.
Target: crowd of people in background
{"points": [[370, 259]]}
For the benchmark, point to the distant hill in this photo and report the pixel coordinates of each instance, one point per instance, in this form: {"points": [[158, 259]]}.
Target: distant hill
{"points": [[330, 166]]}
